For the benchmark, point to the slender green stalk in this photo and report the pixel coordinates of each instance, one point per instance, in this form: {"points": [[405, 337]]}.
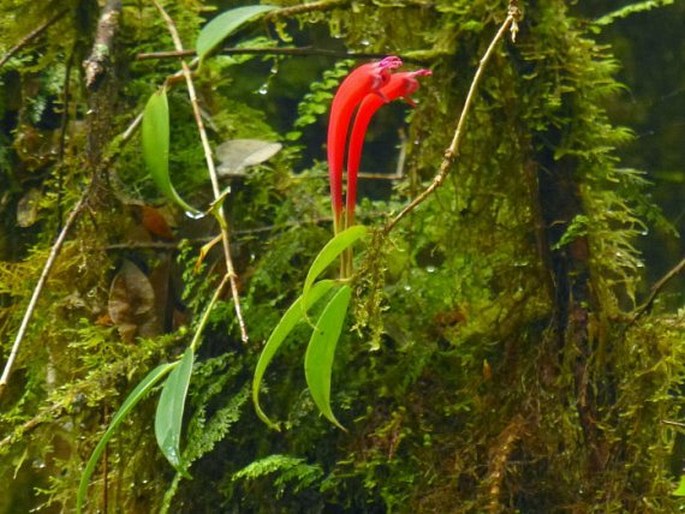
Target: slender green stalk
{"points": [[195, 343]]}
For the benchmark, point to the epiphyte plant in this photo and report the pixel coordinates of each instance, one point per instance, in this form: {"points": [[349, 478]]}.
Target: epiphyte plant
{"points": [[365, 90], [360, 95]]}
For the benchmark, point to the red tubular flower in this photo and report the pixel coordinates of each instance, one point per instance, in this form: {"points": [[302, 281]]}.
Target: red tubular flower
{"points": [[366, 79], [400, 85]]}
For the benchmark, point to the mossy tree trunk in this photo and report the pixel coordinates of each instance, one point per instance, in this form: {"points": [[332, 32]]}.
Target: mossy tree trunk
{"points": [[497, 364]]}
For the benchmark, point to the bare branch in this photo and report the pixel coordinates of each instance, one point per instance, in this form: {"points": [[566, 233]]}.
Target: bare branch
{"points": [[99, 59], [54, 252], [302, 51], [323, 5]]}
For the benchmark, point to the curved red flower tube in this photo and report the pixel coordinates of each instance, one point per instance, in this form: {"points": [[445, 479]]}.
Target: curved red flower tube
{"points": [[364, 80], [400, 85]]}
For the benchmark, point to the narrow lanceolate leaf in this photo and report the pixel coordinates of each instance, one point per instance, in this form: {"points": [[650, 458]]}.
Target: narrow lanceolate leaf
{"points": [[286, 324], [318, 361], [155, 134], [169, 416], [330, 252], [130, 402], [224, 25]]}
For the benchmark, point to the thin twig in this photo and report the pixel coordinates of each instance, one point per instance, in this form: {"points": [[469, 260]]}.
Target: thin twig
{"points": [[62, 402], [499, 459], [290, 50], [323, 5], [31, 36], [64, 124], [199, 241], [673, 423], [303, 51], [130, 130], [208, 310], [453, 150], [657, 288], [362, 175], [75, 213], [20, 432], [170, 54], [209, 159]]}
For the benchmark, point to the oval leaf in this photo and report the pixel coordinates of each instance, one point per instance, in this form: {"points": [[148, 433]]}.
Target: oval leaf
{"points": [[292, 316], [169, 416], [330, 252], [318, 361], [155, 135], [224, 25], [129, 403]]}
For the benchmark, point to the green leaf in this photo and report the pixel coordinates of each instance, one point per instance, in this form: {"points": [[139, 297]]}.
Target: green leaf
{"points": [[330, 252], [224, 25], [169, 416], [130, 402], [155, 135], [292, 317], [681, 487], [318, 361]]}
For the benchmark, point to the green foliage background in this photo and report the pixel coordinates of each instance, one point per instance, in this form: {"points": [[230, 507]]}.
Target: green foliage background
{"points": [[493, 363]]}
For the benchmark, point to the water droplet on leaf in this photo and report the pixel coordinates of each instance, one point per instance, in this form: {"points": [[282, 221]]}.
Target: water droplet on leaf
{"points": [[195, 215]]}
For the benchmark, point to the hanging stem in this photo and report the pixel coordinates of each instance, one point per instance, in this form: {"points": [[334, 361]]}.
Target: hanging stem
{"points": [[209, 159]]}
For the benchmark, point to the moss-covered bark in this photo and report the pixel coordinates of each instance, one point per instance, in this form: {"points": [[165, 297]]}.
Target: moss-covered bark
{"points": [[495, 365]]}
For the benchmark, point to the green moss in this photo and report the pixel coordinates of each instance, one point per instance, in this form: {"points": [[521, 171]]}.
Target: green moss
{"points": [[494, 365]]}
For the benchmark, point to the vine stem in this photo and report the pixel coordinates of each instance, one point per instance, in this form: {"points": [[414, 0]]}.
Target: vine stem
{"points": [[209, 159], [452, 151]]}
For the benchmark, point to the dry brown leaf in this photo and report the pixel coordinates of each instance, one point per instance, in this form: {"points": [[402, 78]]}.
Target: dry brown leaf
{"points": [[132, 303]]}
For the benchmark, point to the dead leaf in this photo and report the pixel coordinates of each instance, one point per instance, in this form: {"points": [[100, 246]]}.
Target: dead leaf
{"points": [[132, 303], [27, 208], [155, 223]]}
